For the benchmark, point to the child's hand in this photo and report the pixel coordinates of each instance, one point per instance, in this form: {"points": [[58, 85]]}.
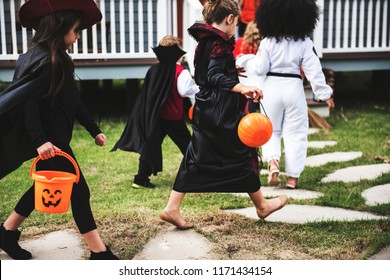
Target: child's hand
{"points": [[330, 103], [241, 70], [252, 92], [100, 139], [46, 151]]}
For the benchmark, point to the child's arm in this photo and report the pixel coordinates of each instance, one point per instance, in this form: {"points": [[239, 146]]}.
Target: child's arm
{"points": [[312, 68], [33, 124], [86, 120], [217, 77], [186, 85], [256, 64]]}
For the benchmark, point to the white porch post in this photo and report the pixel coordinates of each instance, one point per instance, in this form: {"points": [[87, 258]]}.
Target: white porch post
{"points": [[318, 34], [192, 10], [163, 18]]}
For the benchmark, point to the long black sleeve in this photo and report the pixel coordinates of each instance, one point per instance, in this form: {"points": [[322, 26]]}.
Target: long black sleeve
{"points": [[33, 122], [216, 74], [87, 121]]}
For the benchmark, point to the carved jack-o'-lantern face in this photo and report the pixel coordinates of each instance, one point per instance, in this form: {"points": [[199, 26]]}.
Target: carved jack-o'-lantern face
{"points": [[51, 199]]}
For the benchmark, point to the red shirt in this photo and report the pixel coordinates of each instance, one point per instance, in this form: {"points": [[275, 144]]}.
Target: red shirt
{"points": [[237, 46], [248, 10]]}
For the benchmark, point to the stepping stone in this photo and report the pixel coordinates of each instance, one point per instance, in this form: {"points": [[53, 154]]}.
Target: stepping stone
{"points": [[377, 195], [313, 130], [57, 245], [322, 159], [300, 214], [296, 194], [357, 173], [176, 245], [320, 144], [384, 254]]}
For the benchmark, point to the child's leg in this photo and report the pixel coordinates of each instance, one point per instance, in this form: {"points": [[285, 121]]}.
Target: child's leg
{"points": [[273, 106], [179, 133], [171, 212], [94, 242], [9, 233], [13, 221], [295, 132], [265, 207], [142, 178], [9, 236], [82, 214]]}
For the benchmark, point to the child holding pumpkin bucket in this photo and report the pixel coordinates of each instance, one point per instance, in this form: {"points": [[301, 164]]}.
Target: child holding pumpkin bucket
{"points": [[285, 26], [37, 114], [216, 160]]}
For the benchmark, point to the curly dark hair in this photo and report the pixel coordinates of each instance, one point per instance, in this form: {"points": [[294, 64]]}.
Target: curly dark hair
{"points": [[295, 19]]}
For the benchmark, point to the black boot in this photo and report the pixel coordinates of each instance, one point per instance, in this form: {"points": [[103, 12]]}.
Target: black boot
{"points": [[9, 243], [106, 255]]}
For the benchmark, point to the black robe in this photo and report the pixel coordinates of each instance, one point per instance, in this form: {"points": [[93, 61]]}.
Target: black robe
{"points": [[143, 127], [216, 160]]}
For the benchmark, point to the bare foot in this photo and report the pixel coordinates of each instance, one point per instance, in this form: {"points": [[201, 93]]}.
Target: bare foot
{"points": [[272, 206], [175, 219]]}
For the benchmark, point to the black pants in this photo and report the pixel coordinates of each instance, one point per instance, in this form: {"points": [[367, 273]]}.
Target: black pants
{"points": [[81, 208], [180, 135]]}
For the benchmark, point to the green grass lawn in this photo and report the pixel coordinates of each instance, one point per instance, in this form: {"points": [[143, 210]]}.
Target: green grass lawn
{"points": [[127, 218]]}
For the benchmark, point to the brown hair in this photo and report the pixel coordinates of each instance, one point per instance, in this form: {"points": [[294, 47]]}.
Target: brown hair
{"points": [[170, 40], [50, 34], [217, 10]]}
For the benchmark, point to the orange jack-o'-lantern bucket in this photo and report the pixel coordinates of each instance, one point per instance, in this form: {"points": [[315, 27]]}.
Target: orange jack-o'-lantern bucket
{"points": [[53, 189], [255, 129]]}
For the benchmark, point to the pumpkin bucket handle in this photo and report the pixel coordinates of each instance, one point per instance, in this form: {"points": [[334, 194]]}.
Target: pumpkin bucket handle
{"points": [[59, 153]]}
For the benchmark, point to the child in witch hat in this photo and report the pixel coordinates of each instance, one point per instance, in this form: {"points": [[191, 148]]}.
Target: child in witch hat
{"points": [[42, 105]]}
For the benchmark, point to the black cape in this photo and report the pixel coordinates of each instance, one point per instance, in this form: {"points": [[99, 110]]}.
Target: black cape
{"points": [[143, 127], [30, 80]]}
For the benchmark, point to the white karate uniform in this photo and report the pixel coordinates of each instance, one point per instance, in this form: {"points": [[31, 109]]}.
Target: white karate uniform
{"points": [[284, 98]]}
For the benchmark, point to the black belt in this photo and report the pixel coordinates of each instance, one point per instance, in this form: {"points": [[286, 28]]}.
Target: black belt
{"points": [[286, 75]]}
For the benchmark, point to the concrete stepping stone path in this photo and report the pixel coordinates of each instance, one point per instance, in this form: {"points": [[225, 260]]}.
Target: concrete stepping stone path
{"points": [[296, 194], [300, 214], [384, 254], [321, 159], [320, 144], [56, 245], [357, 173], [377, 195], [176, 245]]}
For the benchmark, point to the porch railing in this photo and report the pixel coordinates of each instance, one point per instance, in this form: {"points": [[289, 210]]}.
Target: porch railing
{"points": [[353, 26], [130, 28]]}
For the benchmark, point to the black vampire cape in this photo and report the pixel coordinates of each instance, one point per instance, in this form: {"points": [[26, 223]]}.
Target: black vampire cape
{"points": [[143, 126], [30, 80]]}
